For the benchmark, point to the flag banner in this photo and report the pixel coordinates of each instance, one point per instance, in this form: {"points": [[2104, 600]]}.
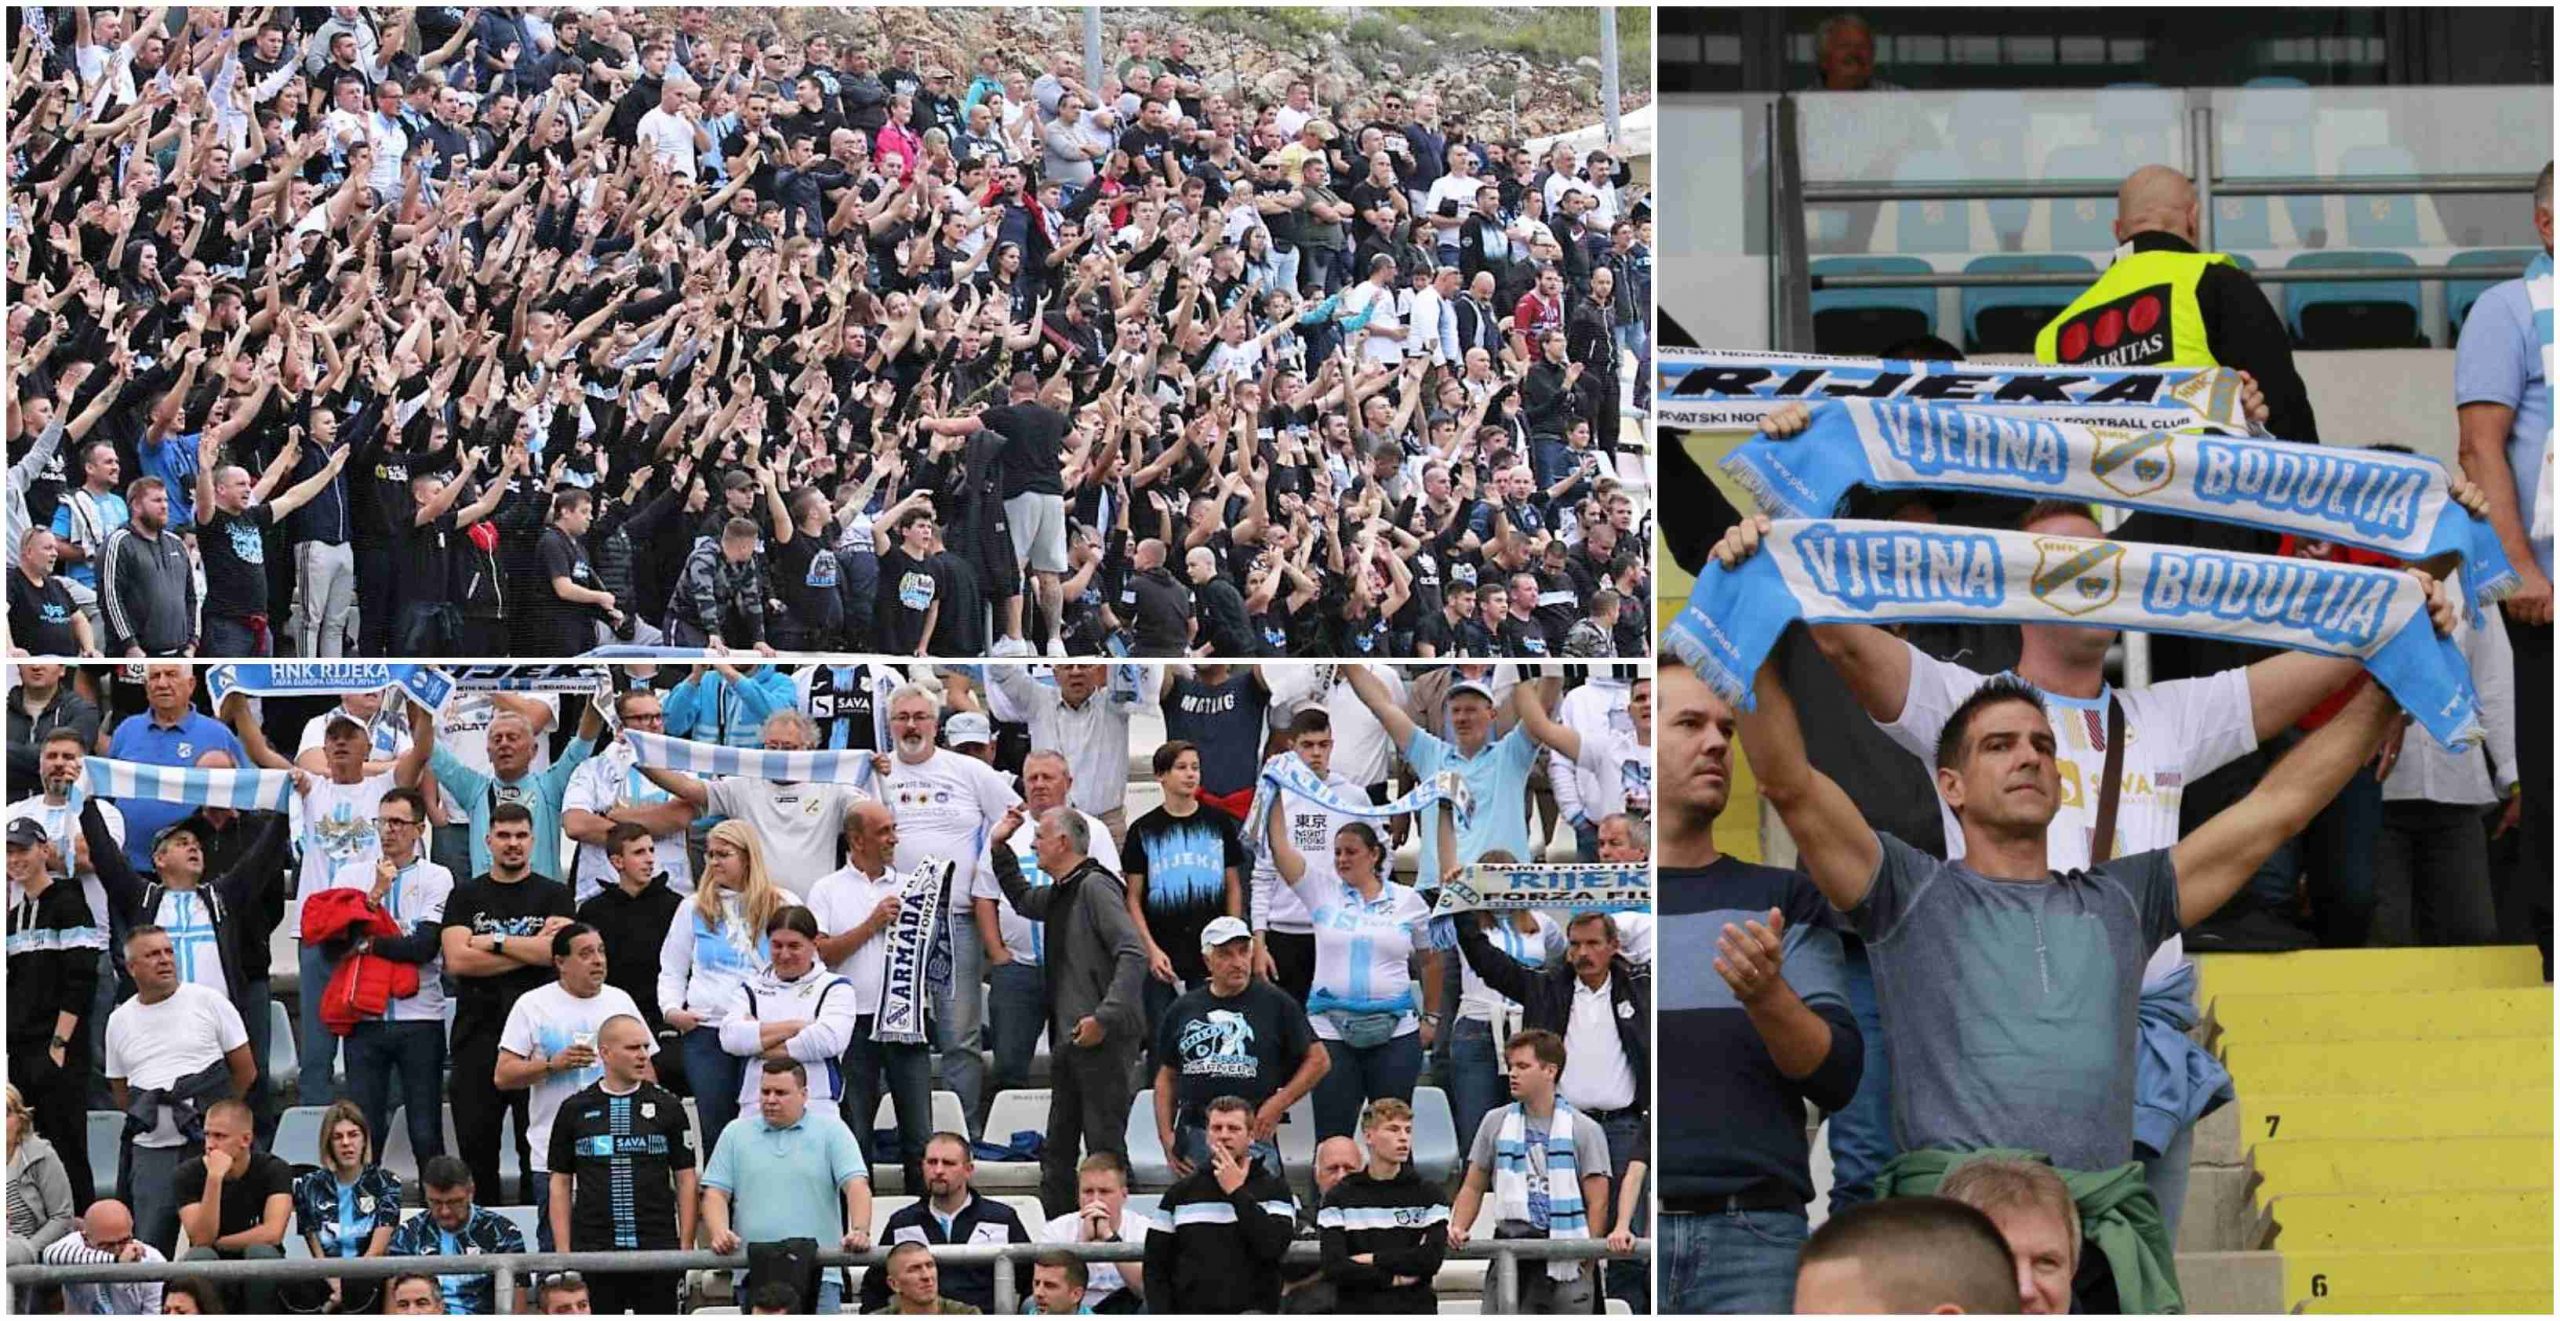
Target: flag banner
{"points": [[918, 955], [1713, 390], [815, 765], [2397, 504], [1568, 887], [1845, 571], [554, 677]]}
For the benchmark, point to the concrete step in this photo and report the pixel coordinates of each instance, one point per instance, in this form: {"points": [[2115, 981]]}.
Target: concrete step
{"points": [[2218, 1139], [2357, 1067], [2367, 971], [2415, 1220], [2388, 1112], [2231, 1282], [2320, 1275], [2430, 1304], [2406, 1165], [2403, 1016], [2220, 1214]]}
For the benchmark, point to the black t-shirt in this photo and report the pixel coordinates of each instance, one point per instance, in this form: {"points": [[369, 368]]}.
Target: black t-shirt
{"points": [[1433, 629], [1148, 145], [40, 617], [1183, 863], [1476, 641], [1035, 436], [908, 589], [623, 1154], [488, 907], [1524, 637], [563, 556], [234, 547], [805, 573], [244, 1193], [1225, 720], [1247, 1046]]}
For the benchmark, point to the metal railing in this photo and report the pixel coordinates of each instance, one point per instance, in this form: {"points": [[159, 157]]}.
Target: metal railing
{"points": [[1502, 1283], [2080, 279]]}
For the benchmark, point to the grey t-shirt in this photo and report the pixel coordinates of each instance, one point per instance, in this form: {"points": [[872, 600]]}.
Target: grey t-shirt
{"points": [[2010, 1008], [1590, 1157]]}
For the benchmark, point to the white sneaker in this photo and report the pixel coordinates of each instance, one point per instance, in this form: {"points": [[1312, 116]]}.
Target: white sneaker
{"points": [[1057, 648], [1010, 647]]}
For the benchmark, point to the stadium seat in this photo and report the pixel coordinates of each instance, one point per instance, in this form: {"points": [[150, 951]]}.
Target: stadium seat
{"points": [[284, 952], [1863, 322], [298, 1135], [527, 1223], [1297, 1136], [1989, 132], [1933, 226], [1145, 1204], [1438, 1152], [2360, 315], [1150, 1166], [1013, 1111], [2459, 295], [948, 1117], [1029, 1208], [885, 1205], [106, 1149], [1619, 1307], [1461, 1306], [2006, 319], [284, 1055], [2081, 224], [2380, 220]]}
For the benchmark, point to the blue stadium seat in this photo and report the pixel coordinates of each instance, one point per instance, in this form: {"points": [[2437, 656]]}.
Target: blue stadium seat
{"points": [[2082, 224], [2360, 315], [2005, 320], [1439, 1154], [1932, 226], [1863, 322], [1989, 132], [106, 1149], [2380, 220], [2459, 295], [2269, 134]]}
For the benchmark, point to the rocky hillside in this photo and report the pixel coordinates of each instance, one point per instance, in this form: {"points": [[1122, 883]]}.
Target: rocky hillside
{"points": [[1506, 72]]}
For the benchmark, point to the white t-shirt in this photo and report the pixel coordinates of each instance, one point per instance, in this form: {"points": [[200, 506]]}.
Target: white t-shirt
{"points": [[1102, 1279], [603, 782], [154, 1045], [1364, 948], [1379, 302], [1459, 188], [670, 139], [1529, 949], [1422, 322], [946, 805], [1597, 1075], [417, 895], [2175, 733], [546, 1021], [388, 739], [340, 838], [1361, 752], [842, 900], [1276, 907], [1635, 937], [1028, 939], [1621, 771], [63, 824], [462, 729], [799, 823]]}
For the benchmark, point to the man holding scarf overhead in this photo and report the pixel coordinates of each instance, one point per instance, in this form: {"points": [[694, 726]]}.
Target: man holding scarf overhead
{"points": [[1096, 966]]}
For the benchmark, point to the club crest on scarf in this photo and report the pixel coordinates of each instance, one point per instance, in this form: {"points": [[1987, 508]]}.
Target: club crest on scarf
{"points": [[2135, 466], [2077, 577]]}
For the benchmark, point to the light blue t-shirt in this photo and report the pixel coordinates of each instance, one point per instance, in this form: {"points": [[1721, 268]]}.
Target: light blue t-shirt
{"points": [[2499, 361], [793, 1178], [1498, 777], [113, 513], [540, 792]]}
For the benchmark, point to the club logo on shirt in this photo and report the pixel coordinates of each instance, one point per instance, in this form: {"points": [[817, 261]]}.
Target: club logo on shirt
{"points": [[1219, 1045]]}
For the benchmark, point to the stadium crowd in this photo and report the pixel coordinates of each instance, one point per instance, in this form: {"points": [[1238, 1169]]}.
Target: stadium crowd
{"points": [[676, 1002], [505, 332]]}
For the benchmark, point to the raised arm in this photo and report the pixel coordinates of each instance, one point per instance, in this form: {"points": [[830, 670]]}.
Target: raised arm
{"points": [[1530, 700], [1373, 694], [1834, 843], [2214, 862]]}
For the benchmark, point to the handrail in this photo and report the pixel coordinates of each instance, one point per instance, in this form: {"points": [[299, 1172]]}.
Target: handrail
{"points": [[2066, 279], [2224, 185], [1503, 1293]]}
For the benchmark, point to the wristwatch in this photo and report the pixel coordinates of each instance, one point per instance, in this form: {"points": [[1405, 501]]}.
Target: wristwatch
{"points": [[62, 1043]]}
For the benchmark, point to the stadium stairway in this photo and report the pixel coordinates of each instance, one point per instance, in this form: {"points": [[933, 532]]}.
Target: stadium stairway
{"points": [[2391, 1147]]}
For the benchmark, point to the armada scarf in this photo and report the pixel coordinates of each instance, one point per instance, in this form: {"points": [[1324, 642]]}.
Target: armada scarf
{"points": [[2398, 504], [1844, 571], [918, 960], [1706, 390]]}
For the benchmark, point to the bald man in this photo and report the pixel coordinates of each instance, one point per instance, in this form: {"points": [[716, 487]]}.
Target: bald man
{"points": [[106, 1235]]}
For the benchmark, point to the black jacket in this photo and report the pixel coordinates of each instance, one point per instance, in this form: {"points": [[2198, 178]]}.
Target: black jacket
{"points": [[974, 1285], [54, 943], [68, 708], [1545, 996], [633, 926], [1217, 1252], [1402, 1224], [231, 894]]}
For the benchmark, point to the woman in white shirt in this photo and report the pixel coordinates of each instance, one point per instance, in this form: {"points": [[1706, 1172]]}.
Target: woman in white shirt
{"points": [[714, 945], [1370, 931]]}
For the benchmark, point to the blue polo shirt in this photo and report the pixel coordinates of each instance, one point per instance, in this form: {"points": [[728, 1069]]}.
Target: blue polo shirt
{"points": [[1498, 776], [786, 1183], [2499, 361], [541, 791], [140, 738]]}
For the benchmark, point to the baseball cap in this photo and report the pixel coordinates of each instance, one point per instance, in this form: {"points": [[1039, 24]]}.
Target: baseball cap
{"points": [[1477, 687], [967, 727], [27, 832], [187, 825], [1220, 931]]}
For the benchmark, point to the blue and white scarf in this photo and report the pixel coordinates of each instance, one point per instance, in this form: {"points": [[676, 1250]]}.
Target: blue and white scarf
{"points": [[243, 790], [1572, 887], [1566, 1219], [1708, 390], [918, 966], [1844, 571], [815, 765], [424, 684], [2537, 292], [2397, 504], [1286, 773]]}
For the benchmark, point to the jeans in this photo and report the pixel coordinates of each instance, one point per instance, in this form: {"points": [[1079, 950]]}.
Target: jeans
{"points": [[2525, 901], [1089, 1093], [1544, 1295], [539, 1195], [858, 582], [1633, 339], [1862, 1135], [1155, 998], [254, 1296], [1017, 1007], [410, 1053], [2167, 1175], [328, 574], [2334, 857], [1476, 1084], [1730, 1261], [1284, 261], [480, 1112], [147, 1186], [2431, 876], [319, 1046], [1586, 840], [1626, 1279], [228, 637], [716, 1076], [958, 1015], [1361, 1076], [907, 1069], [261, 1026]]}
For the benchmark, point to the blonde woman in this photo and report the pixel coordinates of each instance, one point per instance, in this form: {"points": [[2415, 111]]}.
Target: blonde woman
{"points": [[349, 1206], [39, 1191], [716, 943]]}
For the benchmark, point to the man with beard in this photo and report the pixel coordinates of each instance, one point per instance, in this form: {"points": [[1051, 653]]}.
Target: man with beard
{"points": [[951, 1212], [146, 586]]}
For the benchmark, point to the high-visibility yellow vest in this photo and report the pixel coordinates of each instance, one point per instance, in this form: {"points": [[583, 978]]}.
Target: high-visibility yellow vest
{"points": [[2141, 313]]}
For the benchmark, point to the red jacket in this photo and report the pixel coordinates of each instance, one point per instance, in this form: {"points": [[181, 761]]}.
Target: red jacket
{"points": [[364, 984]]}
